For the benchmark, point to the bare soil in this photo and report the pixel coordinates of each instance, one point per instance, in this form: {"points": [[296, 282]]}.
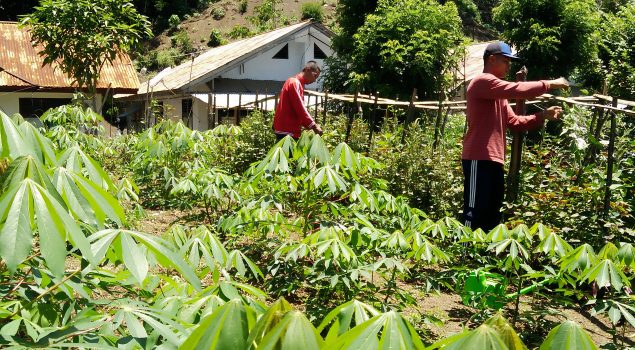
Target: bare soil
{"points": [[199, 26], [446, 306]]}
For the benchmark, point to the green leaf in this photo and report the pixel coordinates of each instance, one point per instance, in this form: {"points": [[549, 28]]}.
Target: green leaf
{"points": [[268, 321], [606, 274], [16, 233], [579, 259], [568, 336], [294, 331], [104, 241], [507, 334], [484, 337], [226, 328], [552, 244], [76, 160], [384, 331], [87, 200], [348, 315]]}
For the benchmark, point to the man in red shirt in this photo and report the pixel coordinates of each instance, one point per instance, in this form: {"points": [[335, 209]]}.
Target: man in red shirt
{"points": [[291, 114], [488, 117]]}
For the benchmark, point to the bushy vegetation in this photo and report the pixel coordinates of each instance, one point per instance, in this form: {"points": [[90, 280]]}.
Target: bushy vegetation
{"points": [[404, 45], [312, 10], [335, 231], [552, 37]]}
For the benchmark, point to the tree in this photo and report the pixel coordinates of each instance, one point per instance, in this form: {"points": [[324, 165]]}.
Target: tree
{"points": [[351, 15], [552, 36], [617, 52], [82, 35], [407, 44]]}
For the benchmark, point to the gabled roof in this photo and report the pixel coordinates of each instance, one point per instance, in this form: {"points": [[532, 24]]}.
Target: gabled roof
{"points": [[21, 67], [216, 60]]}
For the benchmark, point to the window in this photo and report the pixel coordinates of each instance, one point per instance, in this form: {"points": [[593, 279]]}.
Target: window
{"points": [[35, 107], [283, 54], [318, 53]]}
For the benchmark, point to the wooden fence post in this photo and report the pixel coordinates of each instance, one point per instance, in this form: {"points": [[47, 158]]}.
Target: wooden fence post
{"points": [[316, 107], [409, 114], [513, 179], [373, 117], [209, 111], [214, 111], [351, 115], [324, 107], [609, 167]]}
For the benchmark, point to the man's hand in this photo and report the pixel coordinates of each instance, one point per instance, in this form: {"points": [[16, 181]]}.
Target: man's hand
{"points": [[559, 83], [317, 129], [552, 113]]}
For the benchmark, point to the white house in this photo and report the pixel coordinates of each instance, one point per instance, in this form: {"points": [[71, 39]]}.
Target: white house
{"points": [[29, 88], [233, 74]]}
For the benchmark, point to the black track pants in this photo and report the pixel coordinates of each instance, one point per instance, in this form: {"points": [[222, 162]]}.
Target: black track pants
{"points": [[484, 187]]}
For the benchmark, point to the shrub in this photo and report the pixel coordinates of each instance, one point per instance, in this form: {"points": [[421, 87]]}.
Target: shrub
{"points": [[242, 6], [168, 58], [218, 13], [181, 41], [312, 10], [239, 32], [174, 22], [215, 38]]}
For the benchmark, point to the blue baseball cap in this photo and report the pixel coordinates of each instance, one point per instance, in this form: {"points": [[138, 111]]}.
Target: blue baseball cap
{"points": [[499, 48]]}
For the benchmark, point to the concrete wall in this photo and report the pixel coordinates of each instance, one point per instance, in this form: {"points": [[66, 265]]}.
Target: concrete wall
{"points": [[265, 67], [10, 101]]}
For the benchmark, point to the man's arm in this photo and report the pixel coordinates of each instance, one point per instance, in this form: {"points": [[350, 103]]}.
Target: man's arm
{"points": [[300, 110], [490, 87], [528, 122]]}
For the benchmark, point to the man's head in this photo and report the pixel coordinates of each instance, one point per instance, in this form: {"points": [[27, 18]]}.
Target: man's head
{"points": [[311, 72], [497, 58]]}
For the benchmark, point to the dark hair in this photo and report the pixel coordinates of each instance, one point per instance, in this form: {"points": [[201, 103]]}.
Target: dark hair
{"points": [[313, 66]]}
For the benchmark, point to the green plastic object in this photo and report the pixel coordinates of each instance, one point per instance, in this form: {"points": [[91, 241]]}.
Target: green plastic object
{"points": [[484, 289]]}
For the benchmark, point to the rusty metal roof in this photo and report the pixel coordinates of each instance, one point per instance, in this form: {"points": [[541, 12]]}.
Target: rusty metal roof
{"points": [[21, 67], [208, 64]]}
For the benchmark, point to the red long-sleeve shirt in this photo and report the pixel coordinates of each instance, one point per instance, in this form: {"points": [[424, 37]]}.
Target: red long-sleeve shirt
{"points": [[489, 114], [291, 114]]}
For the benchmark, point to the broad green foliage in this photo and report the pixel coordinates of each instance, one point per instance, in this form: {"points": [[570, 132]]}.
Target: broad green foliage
{"points": [[617, 51], [411, 44], [552, 37], [309, 221], [84, 51], [568, 336]]}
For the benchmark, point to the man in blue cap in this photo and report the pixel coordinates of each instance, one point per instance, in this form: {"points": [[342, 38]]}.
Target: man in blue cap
{"points": [[488, 116]]}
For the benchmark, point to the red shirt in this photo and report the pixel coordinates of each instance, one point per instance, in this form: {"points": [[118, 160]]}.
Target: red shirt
{"points": [[291, 114], [489, 114]]}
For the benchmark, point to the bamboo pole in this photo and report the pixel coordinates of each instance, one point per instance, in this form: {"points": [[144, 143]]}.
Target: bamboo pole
{"points": [[409, 114], [513, 178], [349, 124], [325, 102], [209, 113], [609, 168], [373, 117], [214, 111]]}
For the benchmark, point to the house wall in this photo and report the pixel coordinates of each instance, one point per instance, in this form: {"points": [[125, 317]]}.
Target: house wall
{"points": [[10, 101], [265, 67]]}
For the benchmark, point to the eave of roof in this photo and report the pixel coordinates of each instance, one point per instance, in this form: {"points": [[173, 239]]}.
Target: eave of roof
{"points": [[218, 59], [21, 67]]}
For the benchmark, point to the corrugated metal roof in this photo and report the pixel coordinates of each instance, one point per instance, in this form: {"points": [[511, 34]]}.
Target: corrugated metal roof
{"points": [[19, 58], [205, 66]]}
